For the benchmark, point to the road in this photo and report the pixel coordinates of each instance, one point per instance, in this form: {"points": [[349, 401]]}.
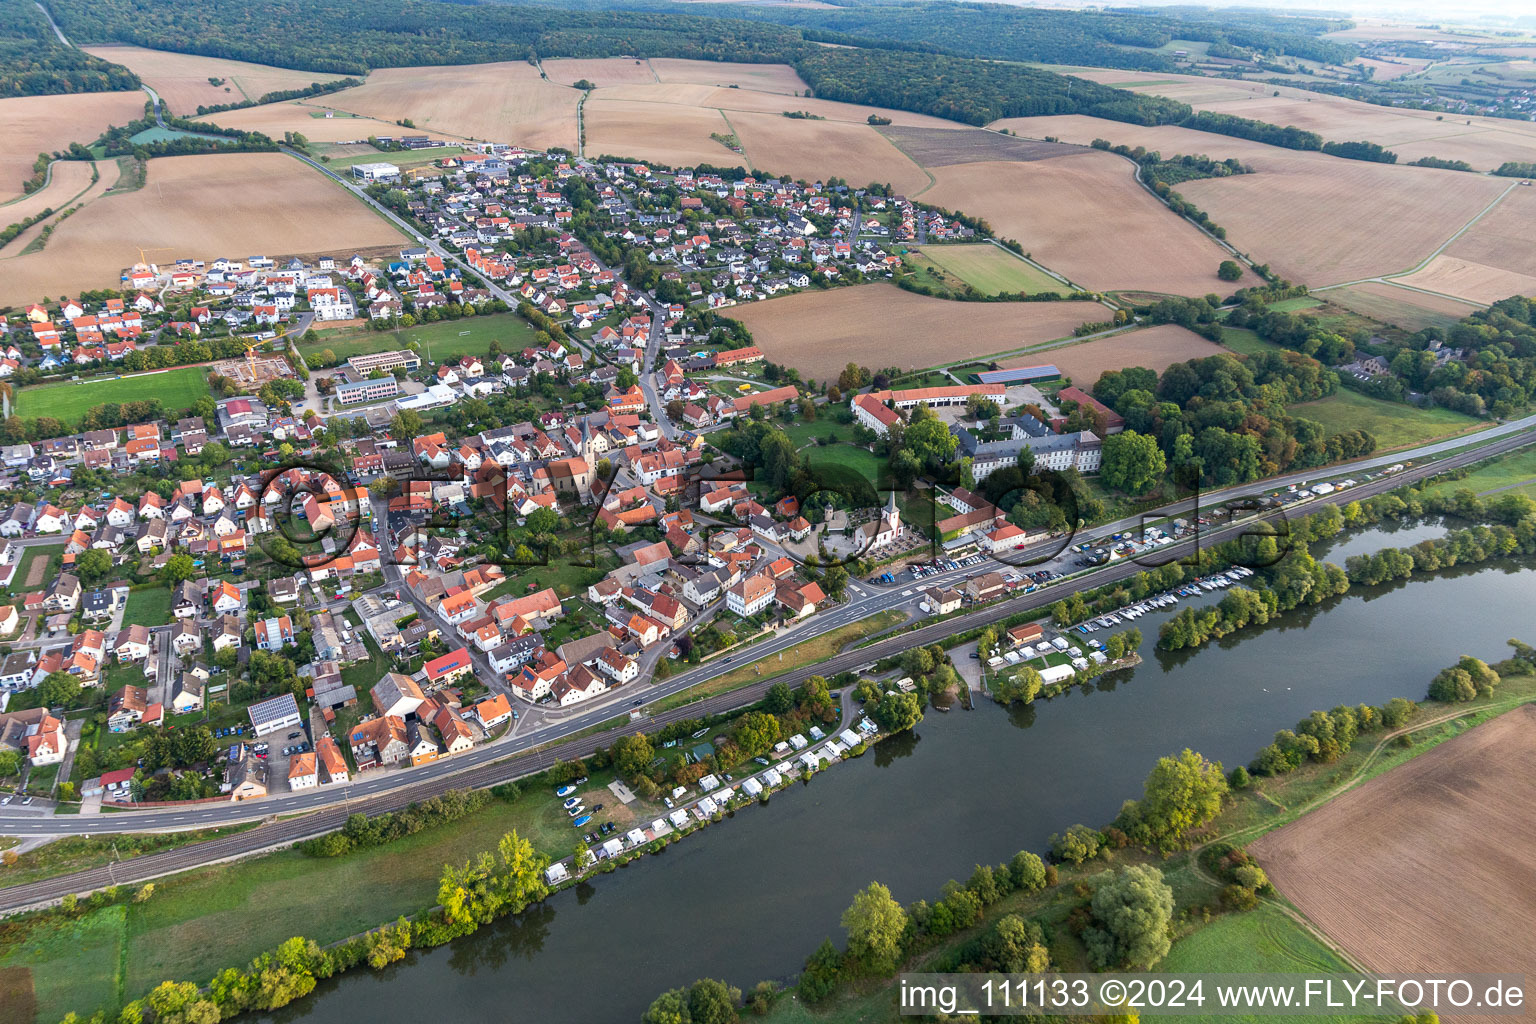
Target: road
{"points": [[495, 763]]}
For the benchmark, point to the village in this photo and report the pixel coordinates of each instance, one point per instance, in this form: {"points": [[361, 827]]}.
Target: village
{"points": [[392, 594]]}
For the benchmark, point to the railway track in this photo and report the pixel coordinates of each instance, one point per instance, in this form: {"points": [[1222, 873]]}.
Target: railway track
{"points": [[286, 832]]}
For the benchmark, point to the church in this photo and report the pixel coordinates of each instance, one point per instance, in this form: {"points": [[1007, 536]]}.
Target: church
{"points": [[883, 532]]}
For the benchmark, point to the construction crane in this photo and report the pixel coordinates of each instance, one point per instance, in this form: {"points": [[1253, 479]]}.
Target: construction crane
{"points": [[250, 361], [144, 255]]}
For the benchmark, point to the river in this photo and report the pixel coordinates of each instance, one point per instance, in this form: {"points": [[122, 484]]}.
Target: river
{"points": [[748, 899]]}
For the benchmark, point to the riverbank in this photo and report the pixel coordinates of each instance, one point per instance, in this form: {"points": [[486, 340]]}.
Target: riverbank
{"points": [[1208, 936], [722, 896]]}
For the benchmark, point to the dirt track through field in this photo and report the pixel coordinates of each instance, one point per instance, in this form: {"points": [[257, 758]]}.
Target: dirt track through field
{"points": [[1428, 867]]}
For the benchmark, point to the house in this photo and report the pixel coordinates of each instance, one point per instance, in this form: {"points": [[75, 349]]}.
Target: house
{"points": [[491, 711], [378, 741], [132, 644], [273, 634], [225, 599], [126, 708], [986, 587], [1007, 537], [228, 634], [303, 772], [246, 778], [331, 759], [940, 600], [36, 734], [751, 595], [396, 695], [187, 694], [456, 736], [185, 638], [445, 669]]}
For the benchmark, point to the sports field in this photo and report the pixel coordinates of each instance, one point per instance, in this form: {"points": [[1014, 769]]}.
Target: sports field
{"points": [[991, 270], [1395, 425], [176, 389], [439, 342]]}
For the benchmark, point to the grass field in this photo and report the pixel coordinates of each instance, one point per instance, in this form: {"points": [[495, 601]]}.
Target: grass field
{"points": [[439, 342], [1294, 305], [808, 653], [991, 270], [1514, 472], [1403, 308], [1395, 425], [413, 158], [148, 606], [1245, 342], [176, 389]]}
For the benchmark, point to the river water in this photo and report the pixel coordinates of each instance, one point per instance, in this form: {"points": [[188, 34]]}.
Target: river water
{"points": [[748, 899]]}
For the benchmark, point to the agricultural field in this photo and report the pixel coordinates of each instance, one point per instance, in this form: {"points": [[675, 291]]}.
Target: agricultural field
{"points": [[1405, 308], [1156, 348], [1427, 864], [438, 343], [1084, 216], [672, 135], [1345, 219], [600, 71], [203, 206], [506, 102], [779, 78], [310, 120], [45, 124], [673, 124], [879, 325], [1478, 282], [182, 79], [177, 389], [1394, 425], [67, 179], [811, 150], [1484, 142], [990, 269]]}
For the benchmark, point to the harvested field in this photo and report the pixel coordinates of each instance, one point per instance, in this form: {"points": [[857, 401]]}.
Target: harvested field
{"points": [[309, 120], [67, 179], [1345, 219], [1400, 307], [731, 100], [813, 150], [200, 206], [1156, 348], [507, 102], [1483, 142], [1503, 238], [1429, 864], [181, 79], [600, 71], [109, 172], [46, 124], [819, 332], [779, 78], [1465, 279], [662, 132], [941, 147], [1085, 217]]}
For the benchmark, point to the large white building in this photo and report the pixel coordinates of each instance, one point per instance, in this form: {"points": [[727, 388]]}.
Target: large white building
{"points": [[375, 172]]}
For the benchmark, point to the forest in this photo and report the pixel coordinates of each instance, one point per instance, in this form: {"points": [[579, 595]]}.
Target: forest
{"points": [[34, 63]]}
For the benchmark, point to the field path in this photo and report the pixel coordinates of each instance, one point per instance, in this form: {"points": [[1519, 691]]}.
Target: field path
{"points": [[1386, 278]]}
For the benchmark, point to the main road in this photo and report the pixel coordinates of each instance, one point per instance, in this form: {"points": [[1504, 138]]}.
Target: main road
{"points": [[495, 763]]}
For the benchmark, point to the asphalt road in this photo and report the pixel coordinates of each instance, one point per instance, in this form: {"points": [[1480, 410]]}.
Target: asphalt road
{"points": [[481, 767]]}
